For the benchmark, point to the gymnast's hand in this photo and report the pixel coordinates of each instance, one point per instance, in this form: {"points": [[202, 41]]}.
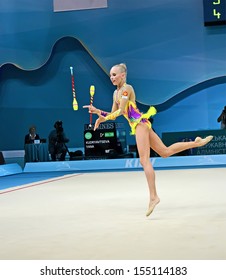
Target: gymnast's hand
{"points": [[92, 109], [98, 121]]}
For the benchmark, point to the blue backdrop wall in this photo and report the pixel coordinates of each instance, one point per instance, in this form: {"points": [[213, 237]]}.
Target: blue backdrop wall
{"points": [[174, 62]]}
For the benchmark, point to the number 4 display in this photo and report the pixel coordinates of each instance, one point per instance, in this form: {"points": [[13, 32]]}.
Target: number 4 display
{"points": [[216, 14]]}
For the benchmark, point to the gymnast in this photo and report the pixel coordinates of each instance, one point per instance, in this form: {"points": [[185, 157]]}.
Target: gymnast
{"points": [[124, 104]]}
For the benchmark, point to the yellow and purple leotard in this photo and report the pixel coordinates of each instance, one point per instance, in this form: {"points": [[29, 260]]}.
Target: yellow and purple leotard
{"points": [[131, 113], [134, 116]]}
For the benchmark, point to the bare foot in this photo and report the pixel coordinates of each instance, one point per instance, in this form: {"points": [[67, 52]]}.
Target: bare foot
{"points": [[201, 142], [152, 205]]}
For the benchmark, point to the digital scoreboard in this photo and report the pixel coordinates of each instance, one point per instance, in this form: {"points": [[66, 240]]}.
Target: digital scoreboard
{"points": [[214, 12], [107, 141]]}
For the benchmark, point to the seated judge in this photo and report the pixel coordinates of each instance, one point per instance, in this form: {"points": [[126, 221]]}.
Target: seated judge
{"points": [[31, 152], [31, 136]]}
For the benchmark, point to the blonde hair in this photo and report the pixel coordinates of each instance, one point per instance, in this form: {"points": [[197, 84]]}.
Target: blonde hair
{"points": [[122, 67]]}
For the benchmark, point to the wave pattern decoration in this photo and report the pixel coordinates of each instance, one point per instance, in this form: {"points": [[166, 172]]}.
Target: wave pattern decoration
{"points": [[165, 45]]}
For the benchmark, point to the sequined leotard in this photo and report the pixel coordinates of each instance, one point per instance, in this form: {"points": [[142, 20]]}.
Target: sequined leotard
{"points": [[134, 116]]}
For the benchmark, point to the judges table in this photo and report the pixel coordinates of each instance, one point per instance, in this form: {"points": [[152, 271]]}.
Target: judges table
{"points": [[36, 152]]}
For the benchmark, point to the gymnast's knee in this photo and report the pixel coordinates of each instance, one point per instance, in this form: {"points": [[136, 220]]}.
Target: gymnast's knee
{"points": [[165, 153], [144, 161]]}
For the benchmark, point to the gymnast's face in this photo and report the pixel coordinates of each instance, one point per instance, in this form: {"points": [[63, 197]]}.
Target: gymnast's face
{"points": [[117, 77]]}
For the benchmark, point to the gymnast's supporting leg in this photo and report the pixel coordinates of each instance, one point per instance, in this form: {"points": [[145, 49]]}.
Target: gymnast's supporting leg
{"points": [[143, 146], [147, 138]]}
